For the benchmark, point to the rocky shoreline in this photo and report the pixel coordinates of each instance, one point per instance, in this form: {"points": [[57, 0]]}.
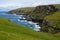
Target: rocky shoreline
{"points": [[26, 17]]}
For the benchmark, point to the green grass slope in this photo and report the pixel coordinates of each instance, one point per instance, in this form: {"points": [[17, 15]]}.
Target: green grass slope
{"points": [[11, 31], [54, 19], [25, 10]]}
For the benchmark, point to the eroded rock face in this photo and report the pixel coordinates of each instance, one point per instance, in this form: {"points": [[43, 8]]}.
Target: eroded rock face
{"points": [[49, 27], [41, 11]]}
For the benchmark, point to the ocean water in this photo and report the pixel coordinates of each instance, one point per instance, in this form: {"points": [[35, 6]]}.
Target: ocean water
{"points": [[16, 19]]}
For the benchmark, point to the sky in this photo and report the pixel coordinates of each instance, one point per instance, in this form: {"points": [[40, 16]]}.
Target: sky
{"points": [[12, 4]]}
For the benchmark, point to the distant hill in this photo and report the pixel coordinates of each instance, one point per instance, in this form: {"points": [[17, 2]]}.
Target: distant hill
{"points": [[25, 10]]}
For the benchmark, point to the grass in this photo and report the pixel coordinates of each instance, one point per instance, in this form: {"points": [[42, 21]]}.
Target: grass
{"points": [[57, 6], [54, 18], [11, 31], [25, 10]]}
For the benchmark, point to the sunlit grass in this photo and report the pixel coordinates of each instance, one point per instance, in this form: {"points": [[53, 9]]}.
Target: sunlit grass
{"points": [[11, 31]]}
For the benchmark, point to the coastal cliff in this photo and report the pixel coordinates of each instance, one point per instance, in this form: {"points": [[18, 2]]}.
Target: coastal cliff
{"points": [[46, 15], [51, 23]]}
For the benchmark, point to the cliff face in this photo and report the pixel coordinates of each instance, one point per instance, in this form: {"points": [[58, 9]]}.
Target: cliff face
{"points": [[51, 22], [41, 12], [50, 18]]}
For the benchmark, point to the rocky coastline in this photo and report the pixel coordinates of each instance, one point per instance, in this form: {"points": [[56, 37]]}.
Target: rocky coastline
{"points": [[38, 15]]}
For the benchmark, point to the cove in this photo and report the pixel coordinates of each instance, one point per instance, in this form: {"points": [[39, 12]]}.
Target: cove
{"points": [[17, 19]]}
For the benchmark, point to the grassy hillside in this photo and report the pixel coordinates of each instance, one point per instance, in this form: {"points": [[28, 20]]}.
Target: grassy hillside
{"points": [[22, 10], [57, 6], [53, 21], [54, 18], [11, 31]]}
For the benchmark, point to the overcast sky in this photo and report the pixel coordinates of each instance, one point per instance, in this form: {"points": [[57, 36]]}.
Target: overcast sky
{"points": [[25, 3]]}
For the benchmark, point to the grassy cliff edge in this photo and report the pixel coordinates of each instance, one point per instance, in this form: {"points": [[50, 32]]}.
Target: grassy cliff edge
{"points": [[11, 31]]}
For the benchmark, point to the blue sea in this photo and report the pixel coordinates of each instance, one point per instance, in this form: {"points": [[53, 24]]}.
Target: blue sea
{"points": [[16, 19]]}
